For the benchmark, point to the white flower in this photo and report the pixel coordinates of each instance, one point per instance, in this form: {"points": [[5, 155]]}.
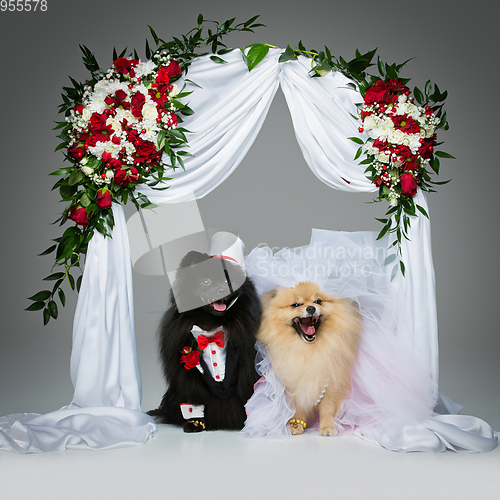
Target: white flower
{"points": [[414, 143], [429, 131], [369, 123], [87, 170], [149, 111], [396, 136], [384, 158], [144, 68], [101, 84], [109, 174], [393, 202], [122, 114], [86, 114], [174, 91]]}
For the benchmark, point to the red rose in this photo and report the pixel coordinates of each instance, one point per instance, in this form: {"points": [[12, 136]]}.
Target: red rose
{"points": [[408, 185], [411, 165], [132, 135], [173, 69], [77, 151], [405, 153], [163, 77], [104, 198], [137, 103], [377, 93], [124, 178], [190, 358], [378, 182], [145, 148], [110, 161], [138, 100], [79, 109], [79, 215], [427, 147], [126, 66], [118, 100]]}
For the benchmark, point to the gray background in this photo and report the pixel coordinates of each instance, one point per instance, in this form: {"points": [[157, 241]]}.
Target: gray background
{"points": [[272, 198]]}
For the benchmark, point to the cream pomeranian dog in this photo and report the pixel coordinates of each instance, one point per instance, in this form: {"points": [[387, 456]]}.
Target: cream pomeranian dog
{"points": [[312, 339]]}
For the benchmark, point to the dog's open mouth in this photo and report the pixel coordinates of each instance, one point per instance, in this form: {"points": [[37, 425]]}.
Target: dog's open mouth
{"points": [[219, 305], [306, 327]]}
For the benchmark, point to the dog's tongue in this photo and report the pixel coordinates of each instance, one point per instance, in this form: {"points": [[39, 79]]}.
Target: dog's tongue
{"points": [[310, 330], [307, 326], [219, 306]]}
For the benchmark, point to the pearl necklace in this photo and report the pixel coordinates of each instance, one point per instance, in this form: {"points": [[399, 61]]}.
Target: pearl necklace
{"points": [[322, 393]]}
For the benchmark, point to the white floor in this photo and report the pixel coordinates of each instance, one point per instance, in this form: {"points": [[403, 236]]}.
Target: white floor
{"points": [[224, 465]]}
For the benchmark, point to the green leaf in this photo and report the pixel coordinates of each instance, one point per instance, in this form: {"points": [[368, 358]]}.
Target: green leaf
{"points": [[357, 140], [383, 231], [75, 178], [381, 68], [52, 306], [186, 111], [71, 281], [62, 171], [36, 306], [49, 250], [442, 154], [54, 277], [422, 210], [256, 54], [358, 152], [200, 19], [440, 183], [46, 316], [218, 60], [428, 87], [85, 201], [287, 55], [322, 69], [418, 95], [79, 283], [434, 163], [402, 266], [43, 295]]}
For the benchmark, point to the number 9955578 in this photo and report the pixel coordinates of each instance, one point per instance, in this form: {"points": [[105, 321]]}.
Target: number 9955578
{"points": [[23, 5]]}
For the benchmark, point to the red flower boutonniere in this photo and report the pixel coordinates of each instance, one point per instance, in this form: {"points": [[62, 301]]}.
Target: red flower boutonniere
{"points": [[191, 358]]}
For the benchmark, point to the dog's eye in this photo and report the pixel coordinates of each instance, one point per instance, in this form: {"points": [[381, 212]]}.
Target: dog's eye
{"points": [[206, 282], [318, 301], [296, 304]]}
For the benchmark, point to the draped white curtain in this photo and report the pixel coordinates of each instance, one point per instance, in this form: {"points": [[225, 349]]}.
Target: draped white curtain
{"points": [[230, 106]]}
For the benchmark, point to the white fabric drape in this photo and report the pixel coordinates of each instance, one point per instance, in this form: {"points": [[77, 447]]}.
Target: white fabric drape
{"points": [[230, 106], [322, 112]]}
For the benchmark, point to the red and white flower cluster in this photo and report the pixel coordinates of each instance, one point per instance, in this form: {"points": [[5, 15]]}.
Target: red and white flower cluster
{"points": [[402, 138], [114, 132]]}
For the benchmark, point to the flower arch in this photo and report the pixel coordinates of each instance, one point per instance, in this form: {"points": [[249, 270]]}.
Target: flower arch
{"points": [[230, 104]]}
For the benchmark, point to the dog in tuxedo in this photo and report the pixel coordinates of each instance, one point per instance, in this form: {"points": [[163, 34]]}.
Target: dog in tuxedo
{"points": [[207, 344]]}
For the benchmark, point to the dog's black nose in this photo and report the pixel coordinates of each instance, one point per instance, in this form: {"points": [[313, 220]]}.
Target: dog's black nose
{"points": [[311, 310]]}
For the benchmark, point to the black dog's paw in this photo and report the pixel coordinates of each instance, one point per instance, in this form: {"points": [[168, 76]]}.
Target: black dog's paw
{"points": [[194, 425]]}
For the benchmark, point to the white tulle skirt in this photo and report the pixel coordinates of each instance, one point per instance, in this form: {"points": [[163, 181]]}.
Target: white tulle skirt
{"points": [[392, 398]]}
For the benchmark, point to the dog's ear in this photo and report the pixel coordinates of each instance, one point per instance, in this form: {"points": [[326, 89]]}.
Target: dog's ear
{"points": [[268, 296], [193, 257]]}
